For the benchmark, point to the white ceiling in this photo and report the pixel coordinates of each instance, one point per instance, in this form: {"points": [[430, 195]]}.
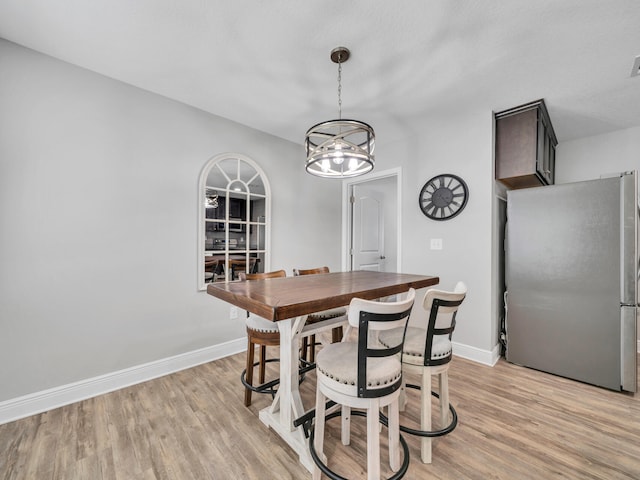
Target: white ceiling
{"points": [[266, 63]]}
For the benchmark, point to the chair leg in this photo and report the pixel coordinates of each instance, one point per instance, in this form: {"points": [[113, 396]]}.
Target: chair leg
{"points": [[318, 434], [312, 346], [425, 397], [263, 361], [443, 379], [373, 440], [308, 350], [345, 434], [394, 436], [336, 335], [249, 372], [402, 400]]}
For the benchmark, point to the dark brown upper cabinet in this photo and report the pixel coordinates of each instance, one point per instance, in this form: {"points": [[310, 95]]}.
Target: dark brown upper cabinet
{"points": [[525, 146]]}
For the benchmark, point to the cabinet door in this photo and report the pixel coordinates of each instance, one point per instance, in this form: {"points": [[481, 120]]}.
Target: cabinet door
{"points": [[552, 162], [541, 148], [545, 161], [219, 211], [516, 147]]}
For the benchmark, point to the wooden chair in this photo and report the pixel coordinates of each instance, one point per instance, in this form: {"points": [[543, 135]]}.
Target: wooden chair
{"points": [[237, 266], [364, 375], [210, 268], [428, 351], [264, 333], [309, 343]]}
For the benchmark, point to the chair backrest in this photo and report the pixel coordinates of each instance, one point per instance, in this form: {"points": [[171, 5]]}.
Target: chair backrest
{"points": [[261, 276], [443, 308], [310, 271], [370, 317]]}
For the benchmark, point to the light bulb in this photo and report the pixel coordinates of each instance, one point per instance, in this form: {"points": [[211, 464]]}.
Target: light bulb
{"points": [[353, 163], [338, 156], [324, 165]]}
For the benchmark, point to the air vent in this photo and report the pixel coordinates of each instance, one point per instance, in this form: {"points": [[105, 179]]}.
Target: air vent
{"points": [[635, 71]]}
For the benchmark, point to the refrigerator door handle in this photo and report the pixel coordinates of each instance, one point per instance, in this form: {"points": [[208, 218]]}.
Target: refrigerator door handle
{"points": [[629, 239]]}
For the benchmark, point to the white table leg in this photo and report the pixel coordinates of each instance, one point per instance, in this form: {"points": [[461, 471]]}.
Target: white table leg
{"points": [[287, 406], [290, 400]]}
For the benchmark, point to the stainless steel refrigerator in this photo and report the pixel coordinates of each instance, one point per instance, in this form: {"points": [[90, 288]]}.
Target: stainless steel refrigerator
{"points": [[572, 280]]}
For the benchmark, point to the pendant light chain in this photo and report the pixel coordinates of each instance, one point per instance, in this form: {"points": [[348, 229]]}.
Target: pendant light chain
{"points": [[340, 87]]}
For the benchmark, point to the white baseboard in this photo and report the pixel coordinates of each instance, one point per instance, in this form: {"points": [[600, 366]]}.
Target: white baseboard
{"points": [[486, 357], [45, 400], [483, 356]]}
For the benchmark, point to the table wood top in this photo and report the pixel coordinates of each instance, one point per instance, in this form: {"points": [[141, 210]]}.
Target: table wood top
{"points": [[288, 297]]}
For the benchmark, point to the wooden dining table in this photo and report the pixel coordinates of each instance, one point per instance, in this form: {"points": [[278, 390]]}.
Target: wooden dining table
{"points": [[288, 301]]}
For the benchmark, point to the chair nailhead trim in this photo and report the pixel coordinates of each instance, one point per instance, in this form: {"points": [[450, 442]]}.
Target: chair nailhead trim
{"points": [[435, 355], [263, 331], [369, 384]]}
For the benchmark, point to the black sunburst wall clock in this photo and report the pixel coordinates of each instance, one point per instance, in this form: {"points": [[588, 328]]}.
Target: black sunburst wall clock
{"points": [[443, 197]]}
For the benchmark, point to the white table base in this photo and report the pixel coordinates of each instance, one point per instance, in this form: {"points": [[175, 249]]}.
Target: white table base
{"points": [[287, 405]]}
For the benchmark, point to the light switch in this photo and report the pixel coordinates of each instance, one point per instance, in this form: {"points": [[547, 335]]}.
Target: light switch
{"points": [[436, 244]]}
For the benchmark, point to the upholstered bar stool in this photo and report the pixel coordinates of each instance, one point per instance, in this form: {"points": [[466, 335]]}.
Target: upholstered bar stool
{"points": [[309, 343], [428, 351], [261, 332], [364, 375]]}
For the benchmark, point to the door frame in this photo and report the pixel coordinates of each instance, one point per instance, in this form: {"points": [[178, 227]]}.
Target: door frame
{"points": [[346, 213]]}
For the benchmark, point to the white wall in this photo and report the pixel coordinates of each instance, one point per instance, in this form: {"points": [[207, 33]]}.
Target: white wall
{"points": [[98, 222], [459, 144], [588, 158], [98, 196]]}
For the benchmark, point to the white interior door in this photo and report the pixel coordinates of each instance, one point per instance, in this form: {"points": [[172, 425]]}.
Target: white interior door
{"points": [[368, 229], [372, 222]]}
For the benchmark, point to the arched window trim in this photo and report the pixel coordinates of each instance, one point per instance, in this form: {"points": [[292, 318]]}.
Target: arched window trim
{"points": [[202, 183]]}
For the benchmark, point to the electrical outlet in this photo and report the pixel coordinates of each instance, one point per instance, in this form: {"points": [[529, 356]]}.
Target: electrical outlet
{"points": [[233, 312], [436, 244]]}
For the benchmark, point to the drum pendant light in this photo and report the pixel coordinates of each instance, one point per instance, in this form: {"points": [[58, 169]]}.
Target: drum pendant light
{"points": [[340, 148]]}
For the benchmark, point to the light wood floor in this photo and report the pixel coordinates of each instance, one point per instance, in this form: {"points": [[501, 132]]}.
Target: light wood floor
{"points": [[515, 423]]}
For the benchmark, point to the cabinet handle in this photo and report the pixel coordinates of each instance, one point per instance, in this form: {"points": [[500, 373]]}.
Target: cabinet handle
{"points": [[382, 257]]}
